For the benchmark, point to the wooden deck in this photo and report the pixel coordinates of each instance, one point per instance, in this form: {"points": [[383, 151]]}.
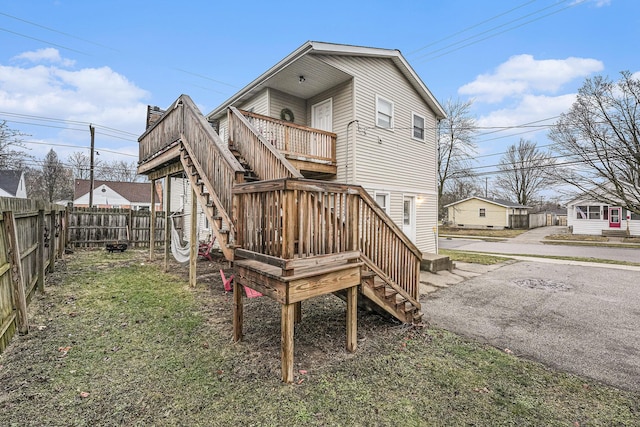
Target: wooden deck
{"points": [[289, 282]]}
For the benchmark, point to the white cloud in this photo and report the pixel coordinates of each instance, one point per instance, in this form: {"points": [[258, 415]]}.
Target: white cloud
{"points": [[92, 95], [523, 74], [47, 55], [597, 3], [530, 108]]}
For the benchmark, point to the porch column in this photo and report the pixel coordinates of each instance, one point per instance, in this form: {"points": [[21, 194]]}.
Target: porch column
{"points": [[152, 220], [193, 240], [286, 328], [167, 224], [352, 319]]}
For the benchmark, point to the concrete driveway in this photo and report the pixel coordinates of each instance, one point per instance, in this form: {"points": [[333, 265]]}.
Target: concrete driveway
{"points": [[579, 319]]}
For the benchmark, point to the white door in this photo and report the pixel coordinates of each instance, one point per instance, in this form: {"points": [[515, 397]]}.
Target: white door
{"points": [[320, 119], [409, 217], [321, 115]]}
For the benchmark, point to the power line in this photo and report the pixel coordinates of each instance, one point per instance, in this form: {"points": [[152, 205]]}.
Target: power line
{"points": [[44, 41], [464, 30], [79, 146], [56, 31], [429, 56]]}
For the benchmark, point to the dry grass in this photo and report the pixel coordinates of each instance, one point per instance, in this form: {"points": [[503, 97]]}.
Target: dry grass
{"points": [[577, 237], [506, 233], [116, 342]]}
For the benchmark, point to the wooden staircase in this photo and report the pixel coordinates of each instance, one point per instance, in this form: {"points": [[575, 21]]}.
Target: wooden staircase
{"points": [[261, 209]]}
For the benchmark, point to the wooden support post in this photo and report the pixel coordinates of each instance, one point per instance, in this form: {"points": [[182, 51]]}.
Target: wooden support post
{"points": [[152, 220], [352, 319], [13, 252], [193, 239], [167, 224], [298, 312], [286, 329], [41, 251], [237, 312], [53, 241]]}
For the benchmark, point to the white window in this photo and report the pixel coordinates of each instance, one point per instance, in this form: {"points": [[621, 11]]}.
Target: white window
{"points": [[483, 212], [418, 127], [588, 212], [382, 199], [384, 113]]}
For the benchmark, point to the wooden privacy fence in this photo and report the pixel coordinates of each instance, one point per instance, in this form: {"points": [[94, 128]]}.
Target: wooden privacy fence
{"points": [[95, 227], [31, 238]]}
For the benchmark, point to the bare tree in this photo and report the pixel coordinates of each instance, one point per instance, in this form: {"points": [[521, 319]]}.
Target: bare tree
{"points": [[600, 137], [524, 170], [51, 183], [12, 151], [118, 170], [80, 165], [456, 145]]}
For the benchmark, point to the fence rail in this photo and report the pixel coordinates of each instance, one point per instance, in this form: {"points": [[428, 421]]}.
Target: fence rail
{"points": [[93, 227], [31, 238]]}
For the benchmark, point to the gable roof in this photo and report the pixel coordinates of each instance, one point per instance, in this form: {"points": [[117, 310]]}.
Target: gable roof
{"points": [[135, 192], [9, 180], [298, 60], [499, 202]]}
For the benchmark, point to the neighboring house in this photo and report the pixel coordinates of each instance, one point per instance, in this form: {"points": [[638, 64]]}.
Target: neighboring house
{"points": [[114, 194], [380, 114], [480, 212], [588, 216], [12, 184]]}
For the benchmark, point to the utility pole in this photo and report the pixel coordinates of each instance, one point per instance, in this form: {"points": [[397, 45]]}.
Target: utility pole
{"points": [[93, 138]]}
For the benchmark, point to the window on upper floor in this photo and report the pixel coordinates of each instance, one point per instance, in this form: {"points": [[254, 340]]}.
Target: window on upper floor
{"points": [[384, 113], [482, 212], [418, 127]]}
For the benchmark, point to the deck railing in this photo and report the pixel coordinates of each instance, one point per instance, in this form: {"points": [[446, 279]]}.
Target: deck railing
{"points": [[165, 132], [295, 140], [265, 160], [291, 218], [214, 160]]}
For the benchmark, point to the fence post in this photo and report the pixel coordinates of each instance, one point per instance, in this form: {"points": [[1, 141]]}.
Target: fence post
{"points": [[41, 254], [13, 252], [54, 242]]}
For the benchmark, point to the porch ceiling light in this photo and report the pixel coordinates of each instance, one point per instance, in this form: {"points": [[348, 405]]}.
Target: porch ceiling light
{"points": [[301, 79]]}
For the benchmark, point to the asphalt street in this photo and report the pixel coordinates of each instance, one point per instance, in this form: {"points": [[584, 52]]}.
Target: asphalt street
{"points": [[583, 320], [514, 246]]}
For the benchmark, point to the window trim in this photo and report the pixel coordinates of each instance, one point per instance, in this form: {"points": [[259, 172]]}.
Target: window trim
{"points": [[391, 118], [387, 195], [413, 126]]}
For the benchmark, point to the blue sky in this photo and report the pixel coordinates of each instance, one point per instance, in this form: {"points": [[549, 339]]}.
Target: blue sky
{"points": [[67, 63]]}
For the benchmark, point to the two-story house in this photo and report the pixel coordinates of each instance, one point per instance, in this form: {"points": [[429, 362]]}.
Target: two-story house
{"points": [[383, 116]]}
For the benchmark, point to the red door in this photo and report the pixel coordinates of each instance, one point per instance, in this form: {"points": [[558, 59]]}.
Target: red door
{"points": [[614, 217]]}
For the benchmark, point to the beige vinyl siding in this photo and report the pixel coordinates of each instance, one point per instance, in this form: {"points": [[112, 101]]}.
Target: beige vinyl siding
{"points": [[391, 159], [342, 105], [385, 155], [279, 100], [258, 104], [467, 214]]}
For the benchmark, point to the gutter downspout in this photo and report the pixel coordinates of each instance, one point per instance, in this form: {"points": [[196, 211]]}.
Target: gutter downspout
{"points": [[346, 164]]}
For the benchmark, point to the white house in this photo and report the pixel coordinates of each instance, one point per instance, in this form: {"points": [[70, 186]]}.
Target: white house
{"points": [[12, 184], [115, 194], [588, 216]]}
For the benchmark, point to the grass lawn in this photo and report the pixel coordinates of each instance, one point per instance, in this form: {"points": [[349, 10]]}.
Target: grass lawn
{"points": [[479, 232], [114, 341], [476, 258]]}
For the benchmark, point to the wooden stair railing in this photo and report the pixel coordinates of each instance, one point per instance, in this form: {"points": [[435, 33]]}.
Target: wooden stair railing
{"points": [[298, 218], [264, 159]]}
